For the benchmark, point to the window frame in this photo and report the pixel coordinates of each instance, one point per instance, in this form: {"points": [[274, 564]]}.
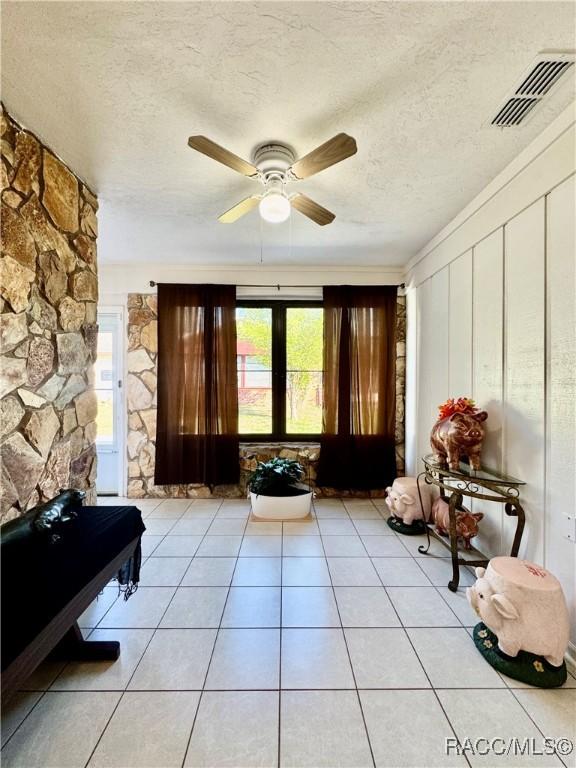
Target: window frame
{"points": [[278, 309]]}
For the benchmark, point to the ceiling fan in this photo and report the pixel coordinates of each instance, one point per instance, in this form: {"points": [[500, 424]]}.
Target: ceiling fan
{"points": [[275, 166]]}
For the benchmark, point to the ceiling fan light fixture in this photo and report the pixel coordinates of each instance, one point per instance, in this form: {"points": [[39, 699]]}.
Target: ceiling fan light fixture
{"points": [[274, 166], [274, 207]]}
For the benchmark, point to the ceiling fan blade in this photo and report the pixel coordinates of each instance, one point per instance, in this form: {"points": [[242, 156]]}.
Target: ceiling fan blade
{"points": [[216, 152], [311, 209], [332, 151], [239, 210]]}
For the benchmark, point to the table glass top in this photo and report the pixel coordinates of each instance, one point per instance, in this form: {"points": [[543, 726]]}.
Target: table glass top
{"points": [[464, 472]]}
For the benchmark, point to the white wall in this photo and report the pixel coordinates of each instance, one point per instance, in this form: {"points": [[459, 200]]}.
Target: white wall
{"points": [[492, 302], [116, 281]]}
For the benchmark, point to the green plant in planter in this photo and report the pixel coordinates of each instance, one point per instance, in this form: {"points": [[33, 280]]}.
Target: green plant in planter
{"points": [[277, 477]]}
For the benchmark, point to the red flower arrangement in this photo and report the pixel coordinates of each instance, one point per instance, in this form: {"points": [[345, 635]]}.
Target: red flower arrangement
{"points": [[459, 405]]}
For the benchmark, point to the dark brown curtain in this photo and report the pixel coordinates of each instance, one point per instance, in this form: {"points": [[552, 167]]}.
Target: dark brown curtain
{"points": [[357, 445], [197, 421]]}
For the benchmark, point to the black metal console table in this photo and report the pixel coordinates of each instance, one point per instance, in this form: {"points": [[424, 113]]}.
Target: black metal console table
{"points": [[475, 484]]}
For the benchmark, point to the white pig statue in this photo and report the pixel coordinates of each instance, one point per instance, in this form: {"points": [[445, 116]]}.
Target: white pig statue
{"points": [[404, 503], [523, 604]]}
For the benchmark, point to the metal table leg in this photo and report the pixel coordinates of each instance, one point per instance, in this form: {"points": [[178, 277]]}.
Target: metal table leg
{"points": [[454, 503], [514, 509]]}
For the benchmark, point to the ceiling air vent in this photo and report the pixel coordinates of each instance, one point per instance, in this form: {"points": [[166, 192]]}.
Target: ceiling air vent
{"points": [[536, 83]]}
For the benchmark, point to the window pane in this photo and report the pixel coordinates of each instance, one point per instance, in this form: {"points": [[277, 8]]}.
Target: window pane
{"points": [[105, 416], [254, 363], [104, 367], [303, 402], [304, 340]]}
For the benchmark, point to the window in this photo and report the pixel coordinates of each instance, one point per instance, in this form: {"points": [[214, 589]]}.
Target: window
{"points": [[104, 384], [107, 387], [279, 363], [254, 365]]}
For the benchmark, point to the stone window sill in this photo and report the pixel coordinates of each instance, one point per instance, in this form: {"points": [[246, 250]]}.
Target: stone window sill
{"points": [[280, 445]]}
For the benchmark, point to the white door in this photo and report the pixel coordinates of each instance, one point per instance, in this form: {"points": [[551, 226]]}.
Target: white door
{"points": [[108, 386]]}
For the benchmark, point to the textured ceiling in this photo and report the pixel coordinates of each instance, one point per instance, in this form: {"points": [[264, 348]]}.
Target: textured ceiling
{"points": [[117, 88]]}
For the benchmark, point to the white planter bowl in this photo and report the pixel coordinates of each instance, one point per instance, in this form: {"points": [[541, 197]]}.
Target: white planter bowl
{"points": [[281, 507]]}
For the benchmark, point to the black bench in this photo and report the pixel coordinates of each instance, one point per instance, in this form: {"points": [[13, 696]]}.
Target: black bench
{"points": [[51, 572]]}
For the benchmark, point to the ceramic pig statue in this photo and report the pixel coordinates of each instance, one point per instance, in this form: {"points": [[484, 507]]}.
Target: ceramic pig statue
{"points": [[460, 434], [403, 500], [466, 521], [523, 604]]}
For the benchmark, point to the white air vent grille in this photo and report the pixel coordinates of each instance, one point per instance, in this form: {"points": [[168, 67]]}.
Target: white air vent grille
{"points": [[536, 83], [514, 111], [542, 77]]}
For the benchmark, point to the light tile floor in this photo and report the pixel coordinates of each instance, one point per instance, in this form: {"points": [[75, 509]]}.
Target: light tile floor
{"points": [[331, 642]]}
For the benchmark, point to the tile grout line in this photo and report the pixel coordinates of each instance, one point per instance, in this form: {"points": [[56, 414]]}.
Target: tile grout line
{"points": [[410, 640], [278, 761], [314, 536], [543, 734], [348, 650], [343, 630], [432, 688], [42, 695], [123, 692], [273, 690], [269, 626], [431, 583], [216, 636]]}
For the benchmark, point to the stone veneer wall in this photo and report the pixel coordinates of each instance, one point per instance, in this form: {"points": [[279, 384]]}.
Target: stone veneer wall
{"points": [[400, 382], [141, 401], [48, 288]]}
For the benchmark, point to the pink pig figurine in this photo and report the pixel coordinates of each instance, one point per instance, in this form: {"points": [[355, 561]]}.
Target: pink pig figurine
{"points": [[523, 604], [403, 500], [457, 435], [466, 522]]}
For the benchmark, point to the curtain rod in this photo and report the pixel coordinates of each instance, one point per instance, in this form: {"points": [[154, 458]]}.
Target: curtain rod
{"points": [[274, 285]]}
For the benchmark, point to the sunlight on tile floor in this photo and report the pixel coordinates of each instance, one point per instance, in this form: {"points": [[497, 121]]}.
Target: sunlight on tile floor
{"points": [[330, 642]]}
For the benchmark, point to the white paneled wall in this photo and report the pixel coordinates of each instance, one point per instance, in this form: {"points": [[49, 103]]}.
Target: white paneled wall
{"points": [[524, 369], [496, 320], [460, 325], [423, 368], [488, 369], [438, 338], [560, 468]]}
